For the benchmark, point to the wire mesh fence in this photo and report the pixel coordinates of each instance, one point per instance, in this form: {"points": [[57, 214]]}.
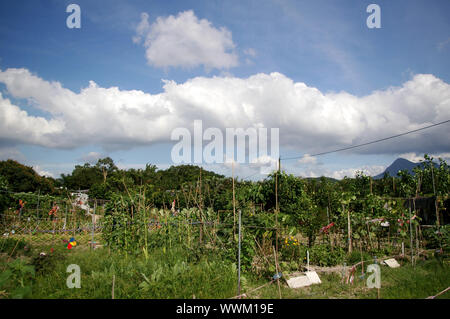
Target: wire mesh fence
{"points": [[130, 225]]}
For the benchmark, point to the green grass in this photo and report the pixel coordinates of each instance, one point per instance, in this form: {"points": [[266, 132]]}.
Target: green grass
{"points": [[427, 278], [169, 274], [192, 273]]}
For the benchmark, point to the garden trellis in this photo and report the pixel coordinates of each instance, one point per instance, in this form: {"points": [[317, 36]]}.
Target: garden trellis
{"points": [[208, 228]]}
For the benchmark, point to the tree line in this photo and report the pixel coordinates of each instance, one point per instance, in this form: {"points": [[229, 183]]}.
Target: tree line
{"points": [[192, 186]]}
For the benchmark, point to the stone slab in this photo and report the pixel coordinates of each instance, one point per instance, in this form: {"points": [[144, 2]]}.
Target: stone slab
{"points": [[313, 277], [392, 263], [299, 282]]}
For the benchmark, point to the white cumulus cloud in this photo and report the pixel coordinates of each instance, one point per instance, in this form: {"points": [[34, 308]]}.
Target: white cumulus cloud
{"points": [[42, 172], [91, 157], [309, 120], [416, 158], [369, 170], [185, 41], [351, 172], [307, 159]]}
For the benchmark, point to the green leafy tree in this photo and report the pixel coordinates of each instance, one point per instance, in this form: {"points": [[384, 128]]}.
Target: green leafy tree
{"points": [[83, 177], [106, 166], [4, 195], [21, 178]]}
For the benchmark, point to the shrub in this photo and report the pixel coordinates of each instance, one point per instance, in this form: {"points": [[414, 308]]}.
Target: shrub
{"points": [[437, 237], [325, 255], [355, 257], [13, 246]]}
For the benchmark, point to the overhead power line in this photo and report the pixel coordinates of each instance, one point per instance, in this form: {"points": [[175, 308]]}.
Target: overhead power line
{"points": [[368, 143]]}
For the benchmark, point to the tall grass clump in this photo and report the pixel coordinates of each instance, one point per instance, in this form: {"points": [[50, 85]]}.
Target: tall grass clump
{"points": [[165, 274]]}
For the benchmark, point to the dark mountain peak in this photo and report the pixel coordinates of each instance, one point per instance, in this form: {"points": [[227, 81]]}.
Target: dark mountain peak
{"points": [[398, 165], [402, 160]]}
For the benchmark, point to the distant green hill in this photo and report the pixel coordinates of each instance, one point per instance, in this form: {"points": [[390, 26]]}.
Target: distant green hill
{"points": [[330, 179]]}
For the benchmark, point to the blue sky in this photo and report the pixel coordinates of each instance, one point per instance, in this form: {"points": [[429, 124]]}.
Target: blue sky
{"points": [[347, 68]]}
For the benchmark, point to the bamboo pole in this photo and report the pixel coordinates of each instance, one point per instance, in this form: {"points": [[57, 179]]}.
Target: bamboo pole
{"points": [[437, 211], [53, 237], [417, 230], [432, 177], [368, 235], [410, 235], [436, 199], [307, 260], [329, 232], [276, 267], [93, 225], [417, 242], [349, 230]]}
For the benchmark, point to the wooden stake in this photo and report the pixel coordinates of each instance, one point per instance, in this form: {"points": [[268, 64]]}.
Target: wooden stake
{"points": [[307, 260], [276, 267], [93, 224], [368, 234], [417, 242], [362, 259], [113, 282], [418, 184], [349, 230]]}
